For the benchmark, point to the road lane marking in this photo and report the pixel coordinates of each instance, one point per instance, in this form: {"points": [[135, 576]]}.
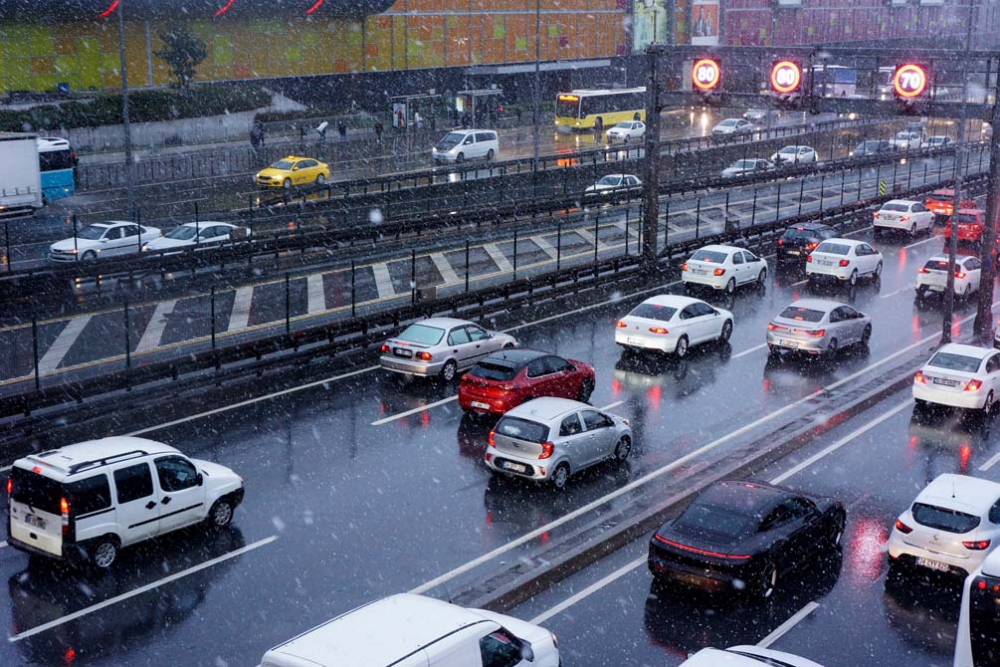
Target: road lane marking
{"points": [[843, 441], [67, 337], [783, 629], [386, 420], [383, 282], [989, 464], [315, 292], [157, 325], [443, 266], [612, 406], [498, 257], [138, 591], [545, 246], [916, 243], [588, 591], [589, 237], [239, 319], [750, 351], [3, 545]]}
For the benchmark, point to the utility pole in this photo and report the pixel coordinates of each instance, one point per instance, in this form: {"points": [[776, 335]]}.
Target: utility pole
{"points": [[538, 88], [651, 172], [983, 326], [129, 189]]}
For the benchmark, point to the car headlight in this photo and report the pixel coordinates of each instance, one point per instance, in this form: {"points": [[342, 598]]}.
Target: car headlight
{"points": [[145, 247]]}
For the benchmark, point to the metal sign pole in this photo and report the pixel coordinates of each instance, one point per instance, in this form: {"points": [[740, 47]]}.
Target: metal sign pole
{"points": [[651, 173]]}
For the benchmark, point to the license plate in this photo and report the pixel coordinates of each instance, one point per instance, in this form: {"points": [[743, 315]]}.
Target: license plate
{"points": [[35, 521], [789, 343], [631, 340], [793, 252], [480, 405], [936, 288], [947, 383], [516, 467], [400, 352], [699, 272], [823, 263], [933, 565]]}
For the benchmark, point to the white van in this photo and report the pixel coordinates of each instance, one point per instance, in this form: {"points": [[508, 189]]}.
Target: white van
{"points": [[461, 145], [89, 500], [415, 631]]}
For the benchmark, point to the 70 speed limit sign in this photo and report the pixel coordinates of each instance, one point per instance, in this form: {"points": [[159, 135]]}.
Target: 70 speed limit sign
{"points": [[910, 81]]}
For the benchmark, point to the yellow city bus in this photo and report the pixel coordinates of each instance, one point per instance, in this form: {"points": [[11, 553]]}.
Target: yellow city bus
{"points": [[579, 110]]}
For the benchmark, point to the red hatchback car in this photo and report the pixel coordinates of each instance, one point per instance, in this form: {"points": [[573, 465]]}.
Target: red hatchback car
{"points": [[508, 378]]}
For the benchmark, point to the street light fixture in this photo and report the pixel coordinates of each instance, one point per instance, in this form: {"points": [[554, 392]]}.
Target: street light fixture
{"points": [[129, 191]]}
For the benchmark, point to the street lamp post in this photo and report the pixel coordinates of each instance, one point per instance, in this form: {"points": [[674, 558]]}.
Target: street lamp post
{"points": [[129, 192], [538, 87]]}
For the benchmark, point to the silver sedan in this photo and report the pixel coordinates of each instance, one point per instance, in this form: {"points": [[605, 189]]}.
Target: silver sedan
{"points": [[817, 326], [548, 439], [441, 346]]}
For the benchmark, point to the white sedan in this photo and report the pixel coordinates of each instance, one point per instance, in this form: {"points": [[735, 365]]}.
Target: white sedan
{"points": [[745, 167], [932, 277], [959, 376], [843, 260], [952, 525], [723, 267], [906, 140], [103, 239], [194, 233], [672, 324], [938, 141], [626, 131], [745, 656], [905, 215], [614, 184], [795, 155], [732, 126]]}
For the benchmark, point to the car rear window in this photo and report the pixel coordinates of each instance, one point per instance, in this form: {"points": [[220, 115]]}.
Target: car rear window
{"points": [[522, 429], [895, 207], [36, 491], [940, 518], [802, 314], [967, 218], [488, 370], [653, 312], [710, 256], [834, 248], [799, 233], [955, 362], [422, 334], [936, 265], [704, 519]]}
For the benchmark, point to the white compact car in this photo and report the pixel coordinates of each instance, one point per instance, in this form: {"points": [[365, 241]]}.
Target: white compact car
{"points": [[939, 141], [627, 130], [932, 277], [746, 167], [794, 155], [904, 215], [196, 233], [461, 145], [843, 260], [614, 184], [951, 527], [906, 140], [89, 500], [723, 267], [671, 324], [959, 376], [732, 126], [746, 656], [441, 347], [103, 239]]}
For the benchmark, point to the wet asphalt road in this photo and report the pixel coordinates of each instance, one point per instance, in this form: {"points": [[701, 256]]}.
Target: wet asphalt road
{"points": [[361, 510]]}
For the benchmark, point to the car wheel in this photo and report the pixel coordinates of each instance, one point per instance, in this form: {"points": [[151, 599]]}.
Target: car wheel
{"points": [[768, 580], [460, 158], [913, 229], [623, 449], [560, 476], [509, 346], [762, 279], [831, 348], [287, 184], [967, 293], [878, 270], [221, 514], [489, 155], [449, 370], [727, 331], [586, 389], [853, 280], [988, 404], [89, 256], [320, 179], [682, 347], [104, 552], [866, 335], [731, 286]]}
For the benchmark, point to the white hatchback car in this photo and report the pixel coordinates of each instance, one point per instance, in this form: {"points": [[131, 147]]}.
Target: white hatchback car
{"points": [[904, 215], [960, 376], [795, 155], [952, 525], [670, 323], [87, 501], [732, 126], [627, 130], [932, 277], [906, 140], [843, 260], [196, 233], [103, 239], [746, 656], [723, 267]]}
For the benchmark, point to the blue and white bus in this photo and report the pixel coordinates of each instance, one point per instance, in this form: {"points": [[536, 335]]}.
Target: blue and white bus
{"points": [[57, 162], [834, 81]]}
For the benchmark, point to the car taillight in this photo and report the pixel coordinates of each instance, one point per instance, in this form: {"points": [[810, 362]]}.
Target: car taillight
{"points": [[812, 246], [10, 486], [719, 272], [704, 552], [492, 444], [922, 270], [903, 528], [684, 266], [64, 510], [904, 218], [809, 258], [620, 324], [919, 377], [819, 333], [977, 545], [547, 448], [781, 242], [973, 385], [658, 330], [423, 356], [771, 326], [960, 274], [385, 348], [876, 215], [844, 262]]}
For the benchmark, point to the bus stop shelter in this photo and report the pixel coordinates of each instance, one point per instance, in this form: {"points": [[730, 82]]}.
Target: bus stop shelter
{"points": [[477, 107], [405, 109]]}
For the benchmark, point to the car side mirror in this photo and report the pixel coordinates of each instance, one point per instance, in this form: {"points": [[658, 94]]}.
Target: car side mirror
{"points": [[527, 654], [201, 479], [102, 240], [715, 312]]}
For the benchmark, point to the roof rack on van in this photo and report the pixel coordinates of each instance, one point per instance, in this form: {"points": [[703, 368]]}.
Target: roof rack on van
{"points": [[97, 463]]}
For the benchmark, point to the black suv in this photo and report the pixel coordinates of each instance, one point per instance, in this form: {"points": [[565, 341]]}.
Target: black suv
{"points": [[799, 240]]}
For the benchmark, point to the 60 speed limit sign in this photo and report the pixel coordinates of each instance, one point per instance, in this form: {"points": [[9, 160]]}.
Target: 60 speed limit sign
{"points": [[706, 74]]}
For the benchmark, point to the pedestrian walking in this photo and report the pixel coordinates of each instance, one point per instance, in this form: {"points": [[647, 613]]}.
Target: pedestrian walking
{"points": [[342, 130], [378, 132]]}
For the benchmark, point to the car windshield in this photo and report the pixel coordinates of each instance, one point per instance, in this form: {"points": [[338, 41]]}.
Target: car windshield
{"points": [[789, 150], [184, 233], [522, 429], [902, 135], [450, 140], [869, 145], [955, 362], [284, 165], [729, 122], [743, 164], [610, 180], [625, 125], [422, 334], [834, 248], [801, 314], [937, 140], [488, 370], [91, 232], [940, 518], [653, 311], [895, 207], [710, 256]]}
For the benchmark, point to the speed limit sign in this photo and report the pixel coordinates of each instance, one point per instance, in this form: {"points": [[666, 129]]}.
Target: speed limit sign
{"points": [[909, 81], [786, 76], [706, 74]]}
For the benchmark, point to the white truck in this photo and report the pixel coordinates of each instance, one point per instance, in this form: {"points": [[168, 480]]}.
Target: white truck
{"points": [[20, 175]]}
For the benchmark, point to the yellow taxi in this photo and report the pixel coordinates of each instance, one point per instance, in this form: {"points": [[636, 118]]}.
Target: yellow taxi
{"points": [[293, 171]]}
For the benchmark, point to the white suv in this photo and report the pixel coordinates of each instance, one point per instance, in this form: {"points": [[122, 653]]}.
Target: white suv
{"points": [[89, 500]]}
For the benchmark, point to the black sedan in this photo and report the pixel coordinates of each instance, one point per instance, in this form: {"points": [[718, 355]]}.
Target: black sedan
{"points": [[745, 536], [800, 240]]}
